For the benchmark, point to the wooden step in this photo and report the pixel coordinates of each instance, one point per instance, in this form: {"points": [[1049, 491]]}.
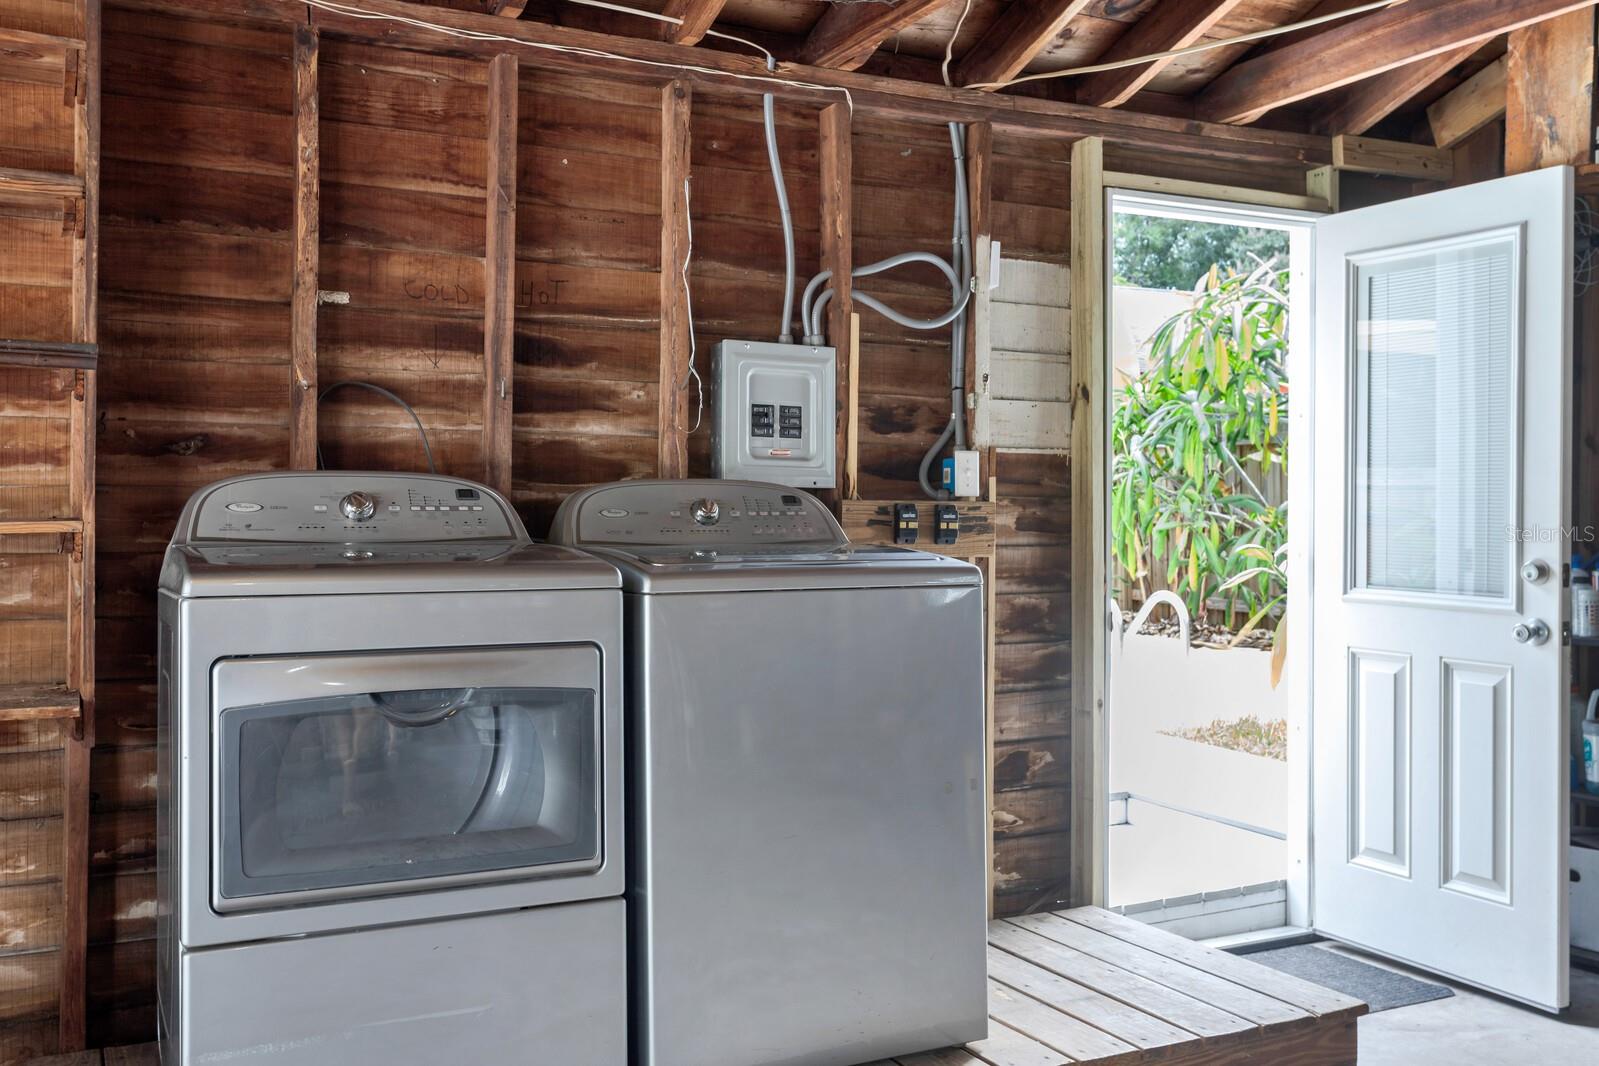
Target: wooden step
{"points": [[38, 702]]}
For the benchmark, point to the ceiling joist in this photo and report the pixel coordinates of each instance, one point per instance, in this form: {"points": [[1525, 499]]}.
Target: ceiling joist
{"points": [[848, 34], [1025, 29], [697, 16], [1470, 107], [1359, 107], [1365, 47], [1172, 24]]}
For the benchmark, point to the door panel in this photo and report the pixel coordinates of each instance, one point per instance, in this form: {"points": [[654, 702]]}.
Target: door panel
{"points": [[1380, 780], [1439, 466]]}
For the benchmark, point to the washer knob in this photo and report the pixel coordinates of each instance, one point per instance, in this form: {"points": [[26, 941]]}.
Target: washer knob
{"points": [[358, 506], [707, 512]]}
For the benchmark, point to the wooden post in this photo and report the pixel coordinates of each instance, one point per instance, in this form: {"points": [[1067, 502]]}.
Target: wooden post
{"points": [[837, 169], [677, 106], [980, 191], [499, 274], [1089, 549], [307, 240], [78, 738], [1549, 100]]}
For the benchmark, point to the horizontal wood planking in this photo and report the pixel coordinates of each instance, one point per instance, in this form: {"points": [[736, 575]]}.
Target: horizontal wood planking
{"points": [[194, 324]]}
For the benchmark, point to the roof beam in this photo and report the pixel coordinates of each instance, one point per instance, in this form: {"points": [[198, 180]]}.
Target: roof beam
{"points": [[1362, 105], [1172, 24], [1023, 30], [697, 16], [1470, 107], [541, 46], [848, 34], [1365, 47]]}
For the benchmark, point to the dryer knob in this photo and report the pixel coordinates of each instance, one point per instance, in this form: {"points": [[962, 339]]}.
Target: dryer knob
{"points": [[706, 512], [358, 506]]}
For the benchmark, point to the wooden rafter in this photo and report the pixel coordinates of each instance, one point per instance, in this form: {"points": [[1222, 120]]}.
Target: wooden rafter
{"points": [[1172, 24], [848, 34], [1024, 29], [1470, 107], [697, 16], [1364, 47], [1360, 106]]}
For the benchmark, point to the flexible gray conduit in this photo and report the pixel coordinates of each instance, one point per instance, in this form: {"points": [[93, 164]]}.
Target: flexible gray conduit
{"points": [[960, 280]]}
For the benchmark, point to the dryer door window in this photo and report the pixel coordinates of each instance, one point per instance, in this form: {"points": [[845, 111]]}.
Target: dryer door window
{"points": [[341, 795]]}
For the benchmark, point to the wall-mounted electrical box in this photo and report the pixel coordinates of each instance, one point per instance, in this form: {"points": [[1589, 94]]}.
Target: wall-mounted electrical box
{"points": [[776, 413]]}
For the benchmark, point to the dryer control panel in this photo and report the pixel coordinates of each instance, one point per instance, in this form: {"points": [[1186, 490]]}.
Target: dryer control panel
{"points": [[342, 507], [697, 513]]}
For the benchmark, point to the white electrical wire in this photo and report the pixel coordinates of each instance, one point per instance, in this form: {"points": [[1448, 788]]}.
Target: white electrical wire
{"points": [[688, 308], [593, 53], [1203, 46], [949, 45], [771, 60]]}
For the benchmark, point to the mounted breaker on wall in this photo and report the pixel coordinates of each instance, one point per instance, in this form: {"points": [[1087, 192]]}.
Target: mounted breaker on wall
{"points": [[777, 408]]}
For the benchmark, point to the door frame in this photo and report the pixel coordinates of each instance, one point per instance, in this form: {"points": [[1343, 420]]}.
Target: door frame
{"points": [[1096, 194]]}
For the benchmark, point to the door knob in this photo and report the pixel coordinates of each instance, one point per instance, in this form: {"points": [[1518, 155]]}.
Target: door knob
{"points": [[1535, 572], [1532, 631]]}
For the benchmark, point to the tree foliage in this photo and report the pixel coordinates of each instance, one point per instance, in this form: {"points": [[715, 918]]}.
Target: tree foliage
{"points": [[1193, 439], [1169, 253]]}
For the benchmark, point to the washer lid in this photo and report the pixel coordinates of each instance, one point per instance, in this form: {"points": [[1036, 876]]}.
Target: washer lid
{"points": [[339, 569], [657, 570]]}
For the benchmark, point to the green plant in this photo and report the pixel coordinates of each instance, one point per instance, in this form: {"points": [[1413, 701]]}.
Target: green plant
{"points": [[1199, 439]]}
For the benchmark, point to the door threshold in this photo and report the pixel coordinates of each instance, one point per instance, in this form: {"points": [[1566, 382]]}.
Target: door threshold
{"points": [[1282, 936]]}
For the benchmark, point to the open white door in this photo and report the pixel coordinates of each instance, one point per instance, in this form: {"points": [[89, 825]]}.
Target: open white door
{"points": [[1442, 442]]}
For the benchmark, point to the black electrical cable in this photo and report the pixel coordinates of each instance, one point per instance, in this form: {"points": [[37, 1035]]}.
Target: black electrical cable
{"points": [[381, 391]]}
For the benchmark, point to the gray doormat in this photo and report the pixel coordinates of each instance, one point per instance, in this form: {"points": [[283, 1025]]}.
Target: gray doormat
{"points": [[1380, 989]]}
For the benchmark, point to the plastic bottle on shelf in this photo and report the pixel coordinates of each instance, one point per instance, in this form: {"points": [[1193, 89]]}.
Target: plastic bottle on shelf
{"points": [[1590, 745]]}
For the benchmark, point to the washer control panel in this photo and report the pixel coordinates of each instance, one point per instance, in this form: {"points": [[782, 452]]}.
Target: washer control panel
{"points": [[338, 507], [701, 513]]}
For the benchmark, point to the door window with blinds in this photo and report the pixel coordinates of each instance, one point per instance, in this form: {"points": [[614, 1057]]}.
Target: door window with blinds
{"points": [[1436, 344]]}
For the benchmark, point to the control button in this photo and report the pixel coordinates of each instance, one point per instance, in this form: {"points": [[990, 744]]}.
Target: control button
{"points": [[394, 507], [614, 512], [244, 506], [707, 512], [477, 507], [358, 506], [319, 508], [430, 507], [416, 507]]}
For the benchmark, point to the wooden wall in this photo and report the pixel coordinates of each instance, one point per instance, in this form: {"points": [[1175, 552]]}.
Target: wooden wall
{"points": [[195, 332], [47, 134]]}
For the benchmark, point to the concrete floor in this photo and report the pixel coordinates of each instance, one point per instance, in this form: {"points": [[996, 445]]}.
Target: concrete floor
{"points": [[1479, 1029]]}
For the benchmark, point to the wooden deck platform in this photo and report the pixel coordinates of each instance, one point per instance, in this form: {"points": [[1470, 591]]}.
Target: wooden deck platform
{"points": [[1089, 986]]}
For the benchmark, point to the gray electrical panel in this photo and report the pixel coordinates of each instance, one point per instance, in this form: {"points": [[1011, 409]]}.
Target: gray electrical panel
{"points": [[776, 413]]}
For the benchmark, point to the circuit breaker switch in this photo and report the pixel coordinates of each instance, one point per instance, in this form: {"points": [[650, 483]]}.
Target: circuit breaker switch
{"points": [[906, 523]]}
